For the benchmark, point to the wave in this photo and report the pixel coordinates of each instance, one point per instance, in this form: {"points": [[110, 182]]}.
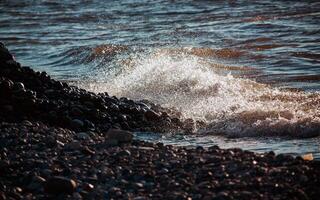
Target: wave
{"points": [[87, 54], [229, 105], [205, 52]]}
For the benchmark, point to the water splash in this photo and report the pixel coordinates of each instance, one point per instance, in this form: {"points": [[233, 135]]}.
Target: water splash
{"points": [[230, 106]]}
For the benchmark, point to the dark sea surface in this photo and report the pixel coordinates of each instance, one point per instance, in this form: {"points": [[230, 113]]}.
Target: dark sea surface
{"points": [[249, 69]]}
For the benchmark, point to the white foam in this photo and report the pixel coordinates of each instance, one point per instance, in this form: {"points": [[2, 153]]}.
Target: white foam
{"points": [[232, 106]]}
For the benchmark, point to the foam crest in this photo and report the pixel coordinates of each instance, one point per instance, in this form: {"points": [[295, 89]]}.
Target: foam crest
{"points": [[230, 106]]}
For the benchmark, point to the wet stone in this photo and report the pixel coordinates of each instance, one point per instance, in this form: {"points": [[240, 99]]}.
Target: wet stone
{"points": [[18, 86], [88, 151], [150, 115], [124, 153], [88, 187], [5, 86], [73, 146], [111, 142], [77, 124], [76, 111], [58, 185], [119, 135], [36, 183], [83, 136]]}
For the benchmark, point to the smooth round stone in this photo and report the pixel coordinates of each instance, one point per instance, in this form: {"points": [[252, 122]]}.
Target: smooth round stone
{"points": [[124, 153], [18, 86], [58, 185], [88, 186], [150, 115], [83, 136], [77, 124], [5, 86], [76, 111], [36, 183], [119, 135]]}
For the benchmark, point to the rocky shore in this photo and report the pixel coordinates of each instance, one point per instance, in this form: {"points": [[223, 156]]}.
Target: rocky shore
{"points": [[61, 142]]}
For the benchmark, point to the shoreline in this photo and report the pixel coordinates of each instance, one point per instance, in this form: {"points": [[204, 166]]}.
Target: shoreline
{"points": [[62, 142]]}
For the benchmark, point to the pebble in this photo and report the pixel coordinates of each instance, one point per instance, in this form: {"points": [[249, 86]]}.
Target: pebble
{"points": [[88, 151], [58, 185], [150, 115], [36, 183], [83, 136], [111, 142], [308, 157], [77, 124], [73, 146], [18, 86], [124, 153], [119, 135], [88, 187]]}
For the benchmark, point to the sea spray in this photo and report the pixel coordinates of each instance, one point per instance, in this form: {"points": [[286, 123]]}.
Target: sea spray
{"points": [[230, 106]]}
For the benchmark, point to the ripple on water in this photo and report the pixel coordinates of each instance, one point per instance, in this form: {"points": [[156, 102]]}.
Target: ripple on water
{"points": [[296, 147]]}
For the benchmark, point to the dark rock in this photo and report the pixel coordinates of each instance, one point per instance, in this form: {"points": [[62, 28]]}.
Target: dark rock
{"points": [[124, 153], [150, 115], [88, 187], [89, 124], [76, 111], [58, 185], [18, 87], [2, 196], [77, 124], [73, 146], [88, 151], [119, 135], [5, 55], [5, 87], [138, 185], [27, 123], [83, 136], [37, 183], [189, 125], [7, 108], [111, 143]]}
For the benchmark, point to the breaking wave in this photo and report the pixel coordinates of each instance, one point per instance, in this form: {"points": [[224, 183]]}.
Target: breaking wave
{"points": [[190, 80]]}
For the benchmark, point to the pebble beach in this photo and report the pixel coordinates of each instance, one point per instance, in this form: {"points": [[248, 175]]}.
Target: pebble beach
{"points": [[62, 142]]}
